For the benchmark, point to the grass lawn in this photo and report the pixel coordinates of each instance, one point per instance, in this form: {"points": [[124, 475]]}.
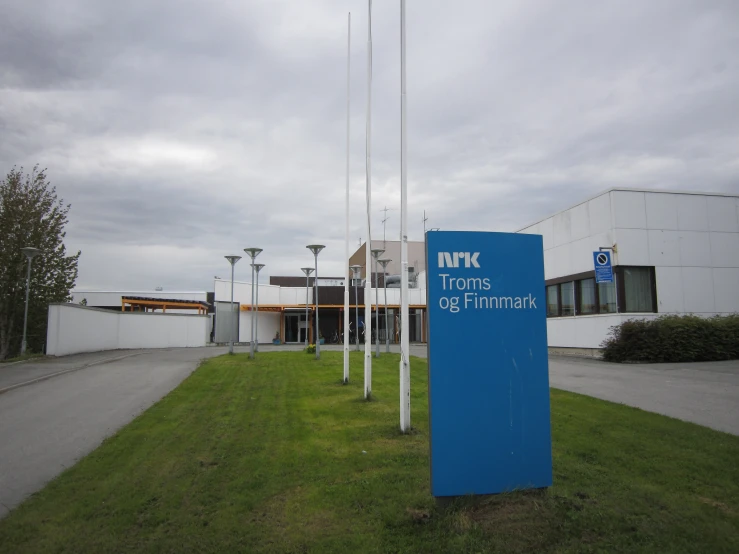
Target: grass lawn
{"points": [[276, 455]]}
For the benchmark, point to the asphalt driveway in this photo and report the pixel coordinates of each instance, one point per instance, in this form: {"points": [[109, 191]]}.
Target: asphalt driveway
{"points": [[49, 424]]}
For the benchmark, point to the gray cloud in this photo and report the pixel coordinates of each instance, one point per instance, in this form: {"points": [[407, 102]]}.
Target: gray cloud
{"points": [[183, 131]]}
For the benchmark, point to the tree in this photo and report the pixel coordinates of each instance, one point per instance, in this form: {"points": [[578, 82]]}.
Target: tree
{"points": [[31, 215]]}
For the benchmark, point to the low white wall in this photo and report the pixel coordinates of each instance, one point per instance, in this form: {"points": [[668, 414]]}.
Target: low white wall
{"points": [[73, 329], [585, 331]]}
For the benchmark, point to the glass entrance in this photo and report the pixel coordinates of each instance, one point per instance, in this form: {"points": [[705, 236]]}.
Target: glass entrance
{"points": [[295, 328]]}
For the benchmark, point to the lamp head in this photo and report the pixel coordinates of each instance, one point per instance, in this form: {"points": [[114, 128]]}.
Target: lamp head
{"points": [[232, 260], [30, 252], [252, 252], [307, 271], [316, 248], [257, 267], [377, 252], [384, 263]]}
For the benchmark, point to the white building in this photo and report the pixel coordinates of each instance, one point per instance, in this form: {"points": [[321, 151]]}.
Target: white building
{"points": [[673, 253]]}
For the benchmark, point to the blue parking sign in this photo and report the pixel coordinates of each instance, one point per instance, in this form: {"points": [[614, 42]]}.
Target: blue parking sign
{"points": [[488, 363], [603, 268]]}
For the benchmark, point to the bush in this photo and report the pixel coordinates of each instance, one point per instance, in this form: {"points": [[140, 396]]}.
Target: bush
{"points": [[673, 338], [310, 349]]}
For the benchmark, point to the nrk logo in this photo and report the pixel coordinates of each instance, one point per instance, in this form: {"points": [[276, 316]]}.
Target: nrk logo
{"points": [[452, 259]]}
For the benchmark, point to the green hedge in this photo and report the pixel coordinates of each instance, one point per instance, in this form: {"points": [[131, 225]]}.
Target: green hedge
{"points": [[673, 338]]}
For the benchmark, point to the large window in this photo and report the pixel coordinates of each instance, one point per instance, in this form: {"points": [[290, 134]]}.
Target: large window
{"points": [[567, 293], [552, 300], [607, 298], [637, 288], [586, 296], [633, 290]]}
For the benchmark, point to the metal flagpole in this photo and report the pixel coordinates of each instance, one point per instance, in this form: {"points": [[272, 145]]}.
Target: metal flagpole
{"points": [[368, 244], [346, 248], [405, 370], [307, 271]]}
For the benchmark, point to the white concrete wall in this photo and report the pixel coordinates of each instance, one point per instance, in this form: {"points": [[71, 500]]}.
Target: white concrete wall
{"points": [[73, 329], [268, 324], [268, 294], [585, 331], [691, 239]]}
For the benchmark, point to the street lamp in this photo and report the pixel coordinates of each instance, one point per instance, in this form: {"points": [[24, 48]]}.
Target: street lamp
{"points": [[384, 263], [30, 253], [253, 253], [356, 275], [307, 271], [232, 260], [316, 248], [257, 268], [376, 253]]}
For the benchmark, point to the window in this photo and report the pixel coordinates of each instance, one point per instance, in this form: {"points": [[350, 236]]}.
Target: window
{"points": [[607, 298], [567, 292], [637, 289], [586, 297], [552, 301]]}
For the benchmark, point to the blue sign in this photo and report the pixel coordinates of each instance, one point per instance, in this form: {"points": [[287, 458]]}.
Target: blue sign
{"points": [[488, 363], [603, 269]]}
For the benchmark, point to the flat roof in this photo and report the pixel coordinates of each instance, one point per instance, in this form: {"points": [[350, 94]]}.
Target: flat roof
{"points": [[628, 189]]}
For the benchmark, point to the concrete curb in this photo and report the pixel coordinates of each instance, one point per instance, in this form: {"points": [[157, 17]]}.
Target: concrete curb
{"points": [[70, 370]]}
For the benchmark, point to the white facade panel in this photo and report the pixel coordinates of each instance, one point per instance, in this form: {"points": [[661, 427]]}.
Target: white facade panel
{"points": [[585, 331], [579, 222], [698, 293], [722, 214], [599, 214], [562, 230], [661, 211], [725, 283], [546, 230], [695, 249], [724, 249], [664, 247], [629, 210], [692, 212], [670, 294], [633, 247]]}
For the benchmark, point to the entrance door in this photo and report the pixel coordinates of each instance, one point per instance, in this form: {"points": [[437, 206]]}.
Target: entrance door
{"points": [[292, 322]]}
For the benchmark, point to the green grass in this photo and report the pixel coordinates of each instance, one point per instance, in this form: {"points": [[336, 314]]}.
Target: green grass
{"points": [[269, 456]]}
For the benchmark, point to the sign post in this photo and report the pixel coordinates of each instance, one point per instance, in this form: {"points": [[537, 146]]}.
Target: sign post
{"points": [[488, 363], [603, 268]]}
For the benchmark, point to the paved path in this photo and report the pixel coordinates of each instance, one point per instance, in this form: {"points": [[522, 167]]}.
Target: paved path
{"points": [[47, 426], [704, 393]]}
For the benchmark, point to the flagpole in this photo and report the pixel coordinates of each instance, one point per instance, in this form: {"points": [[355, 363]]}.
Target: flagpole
{"points": [[405, 376], [347, 313], [368, 243]]}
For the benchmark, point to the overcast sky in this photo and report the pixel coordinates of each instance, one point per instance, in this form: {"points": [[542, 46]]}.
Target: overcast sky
{"points": [[182, 131]]}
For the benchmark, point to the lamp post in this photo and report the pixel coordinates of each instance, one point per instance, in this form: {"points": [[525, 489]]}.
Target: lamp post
{"points": [[232, 260], [253, 253], [356, 275], [307, 271], [384, 263], [30, 253], [316, 248], [376, 253], [257, 268]]}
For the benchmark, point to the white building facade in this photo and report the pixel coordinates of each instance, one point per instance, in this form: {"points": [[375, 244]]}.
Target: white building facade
{"points": [[673, 253]]}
